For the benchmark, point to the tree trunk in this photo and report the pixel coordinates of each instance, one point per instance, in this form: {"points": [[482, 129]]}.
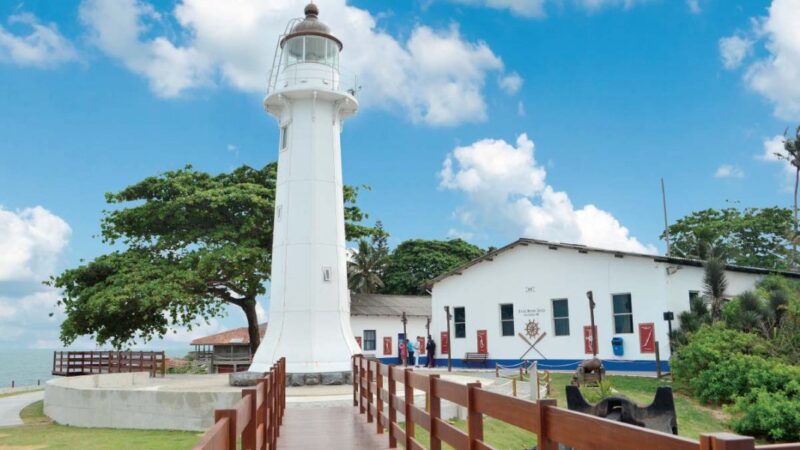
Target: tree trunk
{"points": [[249, 308], [794, 237]]}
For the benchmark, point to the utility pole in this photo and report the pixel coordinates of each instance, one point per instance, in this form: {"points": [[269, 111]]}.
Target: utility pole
{"points": [[405, 335], [449, 346], [590, 296], [666, 222]]}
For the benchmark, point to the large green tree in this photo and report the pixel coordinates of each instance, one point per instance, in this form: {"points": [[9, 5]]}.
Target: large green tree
{"points": [[188, 243], [759, 237], [416, 262]]}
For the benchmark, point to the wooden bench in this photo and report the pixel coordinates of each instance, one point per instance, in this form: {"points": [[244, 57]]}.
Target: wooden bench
{"points": [[475, 357]]}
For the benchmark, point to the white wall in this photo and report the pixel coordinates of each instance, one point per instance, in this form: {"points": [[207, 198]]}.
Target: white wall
{"points": [[388, 326], [531, 276]]}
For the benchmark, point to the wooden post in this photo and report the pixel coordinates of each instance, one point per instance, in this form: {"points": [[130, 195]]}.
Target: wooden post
{"points": [[392, 410], [449, 340], [496, 370], [249, 432], [369, 391], [355, 379], [474, 418], [378, 397], [658, 362], [513, 387], [435, 412], [409, 397], [361, 386], [231, 415], [544, 442], [726, 441], [261, 411], [521, 373]]}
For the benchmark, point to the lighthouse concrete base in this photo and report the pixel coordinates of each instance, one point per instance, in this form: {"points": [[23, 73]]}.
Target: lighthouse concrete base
{"points": [[314, 379]]}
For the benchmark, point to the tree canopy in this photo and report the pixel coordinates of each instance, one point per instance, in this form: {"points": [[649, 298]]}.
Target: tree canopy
{"points": [[191, 243], [416, 262], [758, 237]]}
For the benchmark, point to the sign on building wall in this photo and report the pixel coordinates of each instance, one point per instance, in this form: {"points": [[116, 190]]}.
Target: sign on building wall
{"points": [[358, 339], [421, 342], [587, 339], [483, 345], [387, 345], [445, 343], [647, 338]]}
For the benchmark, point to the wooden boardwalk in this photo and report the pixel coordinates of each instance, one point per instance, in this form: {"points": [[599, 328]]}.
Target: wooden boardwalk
{"points": [[333, 428]]}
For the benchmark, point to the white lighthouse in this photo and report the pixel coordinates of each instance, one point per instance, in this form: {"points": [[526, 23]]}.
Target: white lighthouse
{"points": [[309, 310]]}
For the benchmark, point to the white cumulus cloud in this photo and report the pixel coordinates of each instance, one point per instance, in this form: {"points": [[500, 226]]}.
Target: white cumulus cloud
{"points": [[40, 45], [775, 152], [506, 189], [525, 8], [776, 76], [728, 171], [511, 83], [733, 50], [31, 240], [435, 76]]}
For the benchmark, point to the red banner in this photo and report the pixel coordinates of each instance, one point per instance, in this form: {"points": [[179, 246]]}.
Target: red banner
{"points": [[358, 339], [403, 349], [387, 345], [421, 342], [647, 338], [587, 339], [445, 343], [483, 345]]}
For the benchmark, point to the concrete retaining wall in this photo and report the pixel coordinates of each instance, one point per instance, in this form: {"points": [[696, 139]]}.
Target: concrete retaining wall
{"points": [[131, 400]]}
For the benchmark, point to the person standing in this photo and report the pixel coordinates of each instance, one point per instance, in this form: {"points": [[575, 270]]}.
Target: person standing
{"points": [[417, 349], [430, 347], [410, 351]]}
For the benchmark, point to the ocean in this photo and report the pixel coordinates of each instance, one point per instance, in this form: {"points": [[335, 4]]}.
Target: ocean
{"points": [[26, 367]]}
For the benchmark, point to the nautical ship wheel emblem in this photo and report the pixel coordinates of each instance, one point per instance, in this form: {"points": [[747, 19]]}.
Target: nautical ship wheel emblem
{"points": [[532, 329]]}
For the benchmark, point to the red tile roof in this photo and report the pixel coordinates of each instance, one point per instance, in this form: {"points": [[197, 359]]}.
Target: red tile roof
{"points": [[237, 336]]}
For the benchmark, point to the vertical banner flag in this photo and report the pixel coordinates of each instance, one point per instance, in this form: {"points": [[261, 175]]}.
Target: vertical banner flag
{"points": [[587, 339], [647, 338], [387, 345], [483, 346], [445, 343], [358, 339], [421, 342]]}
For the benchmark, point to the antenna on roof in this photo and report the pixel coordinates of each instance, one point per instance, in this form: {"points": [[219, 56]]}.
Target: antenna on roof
{"points": [[666, 222]]}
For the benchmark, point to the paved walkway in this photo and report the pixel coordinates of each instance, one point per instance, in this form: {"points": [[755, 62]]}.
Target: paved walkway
{"points": [[11, 406], [332, 428]]}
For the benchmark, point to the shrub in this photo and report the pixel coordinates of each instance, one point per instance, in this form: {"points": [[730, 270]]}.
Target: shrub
{"points": [[773, 415], [711, 345], [723, 381]]}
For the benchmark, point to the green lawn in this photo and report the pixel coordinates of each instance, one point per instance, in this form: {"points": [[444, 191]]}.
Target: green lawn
{"points": [[41, 433], [11, 394], [693, 418]]}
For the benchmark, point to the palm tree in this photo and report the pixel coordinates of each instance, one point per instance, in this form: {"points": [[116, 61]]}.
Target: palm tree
{"points": [[365, 268], [792, 156], [715, 284]]}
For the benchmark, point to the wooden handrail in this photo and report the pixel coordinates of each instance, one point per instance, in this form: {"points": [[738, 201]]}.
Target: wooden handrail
{"points": [[379, 398], [254, 422], [74, 363]]}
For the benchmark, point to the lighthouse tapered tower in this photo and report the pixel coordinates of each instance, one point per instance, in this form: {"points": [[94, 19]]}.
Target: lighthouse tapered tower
{"points": [[309, 309]]}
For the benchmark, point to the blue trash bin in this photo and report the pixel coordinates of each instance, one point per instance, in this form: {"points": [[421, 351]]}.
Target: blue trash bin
{"points": [[616, 344]]}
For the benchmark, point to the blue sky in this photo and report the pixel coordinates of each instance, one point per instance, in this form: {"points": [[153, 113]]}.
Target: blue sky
{"points": [[487, 119]]}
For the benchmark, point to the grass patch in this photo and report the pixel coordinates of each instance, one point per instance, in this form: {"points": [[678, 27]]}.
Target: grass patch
{"points": [[39, 430], [11, 394]]}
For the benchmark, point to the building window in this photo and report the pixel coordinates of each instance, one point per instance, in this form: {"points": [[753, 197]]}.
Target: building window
{"points": [[623, 313], [693, 295], [284, 136], [460, 320], [561, 317], [369, 340], [507, 319]]}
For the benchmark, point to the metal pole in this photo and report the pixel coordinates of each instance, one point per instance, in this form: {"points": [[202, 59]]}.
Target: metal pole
{"points": [[449, 341], [666, 222], [590, 296], [405, 334]]}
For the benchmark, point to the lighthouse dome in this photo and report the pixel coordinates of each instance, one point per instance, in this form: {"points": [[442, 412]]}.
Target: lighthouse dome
{"points": [[311, 25]]}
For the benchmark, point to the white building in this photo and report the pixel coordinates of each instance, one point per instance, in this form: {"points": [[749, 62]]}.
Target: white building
{"points": [[377, 324], [538, 289]]}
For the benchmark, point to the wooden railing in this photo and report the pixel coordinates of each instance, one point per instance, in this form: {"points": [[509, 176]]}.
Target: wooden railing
{"points": [[70, 364], [375, 394], [255, 420]]}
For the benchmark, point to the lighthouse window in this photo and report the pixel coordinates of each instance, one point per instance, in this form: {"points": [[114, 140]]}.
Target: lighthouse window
{"points": [[294, 50], [315, 49], [332, 53], [284, 136]]}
